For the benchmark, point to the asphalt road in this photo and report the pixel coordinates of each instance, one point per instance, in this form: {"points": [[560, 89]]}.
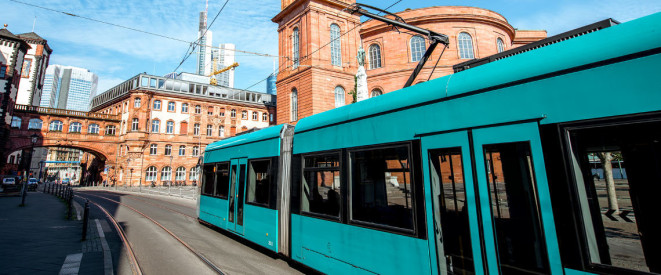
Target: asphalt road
{"points": [[158, 252]]}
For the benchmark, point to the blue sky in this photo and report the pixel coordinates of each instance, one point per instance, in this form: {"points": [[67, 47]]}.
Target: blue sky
{"points": [[117, 54]]}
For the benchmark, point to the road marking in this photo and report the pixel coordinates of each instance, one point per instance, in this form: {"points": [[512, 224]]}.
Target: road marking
{"points": [[107, 256], [71, 264]]}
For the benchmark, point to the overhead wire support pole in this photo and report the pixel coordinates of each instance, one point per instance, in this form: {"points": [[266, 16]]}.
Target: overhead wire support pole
{"points": [[398, 22]]}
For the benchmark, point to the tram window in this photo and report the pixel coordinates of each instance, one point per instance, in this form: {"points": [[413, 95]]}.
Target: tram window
{"points": [[618, 179], [222, 179], [514, 208], [208, 180], [259, 181], [449, 195], [381, 187], [321, 192]]}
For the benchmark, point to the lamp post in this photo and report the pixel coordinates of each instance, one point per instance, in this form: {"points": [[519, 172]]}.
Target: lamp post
{"points": [[131, 174], [128, 163], [33, 139], [171, 170]]}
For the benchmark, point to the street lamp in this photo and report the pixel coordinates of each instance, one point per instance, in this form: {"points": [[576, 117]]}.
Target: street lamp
{"points": [[171, 170], [33, 139], [131, 174]]}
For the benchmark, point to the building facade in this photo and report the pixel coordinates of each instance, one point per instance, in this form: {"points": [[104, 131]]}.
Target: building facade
{"points": [[166, 124], [12, 53], [68, 87], [33, 70], [321, 41]]}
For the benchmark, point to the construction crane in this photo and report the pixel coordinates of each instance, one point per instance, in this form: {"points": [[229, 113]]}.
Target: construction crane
{"points": [[213, 80]]}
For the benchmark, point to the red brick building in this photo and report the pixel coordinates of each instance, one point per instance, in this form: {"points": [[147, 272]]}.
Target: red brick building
{"points": [[319, 73], [166, 124]]}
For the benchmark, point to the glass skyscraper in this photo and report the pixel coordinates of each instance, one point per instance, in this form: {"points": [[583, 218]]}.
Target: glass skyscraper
{"points": [[68, 87]]}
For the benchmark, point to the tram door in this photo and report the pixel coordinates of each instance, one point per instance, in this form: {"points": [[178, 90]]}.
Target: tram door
{"points": [[488, 189], [237, 185]]}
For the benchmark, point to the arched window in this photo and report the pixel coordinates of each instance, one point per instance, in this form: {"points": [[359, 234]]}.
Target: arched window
{"points": [[193, 174], [182, 150], [336, 45], [244, 114], [196, 151], [209, 130], [376, 92], [171, 106], [169, 127], [166, 173], [110, 130], [339, 97], [150, 174], [136, 102], [294, 105], [157, 104], [93, 129], [221, 131], [184, 107], [16, 122], [35, 124], [168, 150], [75, 127], [294, 43], [55, 125], [155, 125], [465, 44], [135, 124], [375, 56], [418, 48], [198, 109], [233, 113], [196, 129], [500, 45], [180, 174], [153, 149]]}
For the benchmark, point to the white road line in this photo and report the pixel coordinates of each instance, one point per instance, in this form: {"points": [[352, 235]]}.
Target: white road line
{"points": [[107, 256], [71, 264]]}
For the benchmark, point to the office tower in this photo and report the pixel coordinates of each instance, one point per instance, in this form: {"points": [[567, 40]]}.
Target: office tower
{"points": [[205, 38], [224, 57], [51, 85], [75, 88]]}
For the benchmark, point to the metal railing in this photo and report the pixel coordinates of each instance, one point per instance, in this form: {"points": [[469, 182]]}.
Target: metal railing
{"points": [[63, 112]]}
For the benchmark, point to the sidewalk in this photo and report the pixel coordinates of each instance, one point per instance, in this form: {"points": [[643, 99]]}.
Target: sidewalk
{"points": [[37, 238]]}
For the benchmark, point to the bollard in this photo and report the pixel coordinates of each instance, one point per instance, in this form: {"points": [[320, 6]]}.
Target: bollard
{"points": [[86, 218], [25, 191], [69, 204]]}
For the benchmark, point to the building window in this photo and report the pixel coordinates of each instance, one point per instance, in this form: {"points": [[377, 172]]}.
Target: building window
{"points": [[193, 174], [55, 125], [166, 173], [171, 106], [321, 190], [168, 150], [27, 64], [221, 131], [184, 107], [182, 150], [153, 149], [180, 174], [233, 113], [3, 70], [196, 151], [75, 127], [155, 125], [93, 129], [135, 124], [417, 48], [376, 92], [294, 105], [465, 44], [209, 130], [196, 129], [150, 175], [294, 43], [336, 45], [254, 115], [169, 127], [259, 182], [339, 97], [264, 117], [157, 104], [375, 56], [183, 128], [210, 111], [110, 130], [244, 114], [222, 112], [16, 122], [198, 109], [500, 45]]}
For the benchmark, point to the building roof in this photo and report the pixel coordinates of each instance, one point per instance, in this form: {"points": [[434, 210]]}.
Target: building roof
{"points": [[4, 33], [30, 35]]}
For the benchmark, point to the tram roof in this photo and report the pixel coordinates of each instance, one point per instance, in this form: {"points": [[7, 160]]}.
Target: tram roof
{"points": [[263, 134], [620, 40]]}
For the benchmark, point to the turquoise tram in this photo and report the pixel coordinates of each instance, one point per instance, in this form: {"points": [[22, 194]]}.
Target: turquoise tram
{"points": [[503, 168]]}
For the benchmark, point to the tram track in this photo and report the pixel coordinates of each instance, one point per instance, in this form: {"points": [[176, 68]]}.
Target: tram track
{"points": [[199, 255]]}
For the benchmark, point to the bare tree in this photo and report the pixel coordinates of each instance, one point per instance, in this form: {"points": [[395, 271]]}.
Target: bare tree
{"points": [[606, 159]]}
